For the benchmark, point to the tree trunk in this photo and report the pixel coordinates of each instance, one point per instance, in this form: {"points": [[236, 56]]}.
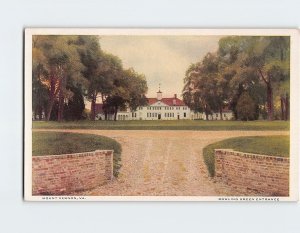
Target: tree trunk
{"points": [[34, 113], [61, 97], [45, 111], [40, 110], [282, 106], [268, 82], [93, 108], [270, 101], [206, 115], [287, 107], [221, 113], [60, 107], [53, 92], [49, 110], [116, 111]]}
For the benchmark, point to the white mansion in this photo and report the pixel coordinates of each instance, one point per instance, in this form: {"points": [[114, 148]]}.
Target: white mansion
{"points": [[160, 108]]}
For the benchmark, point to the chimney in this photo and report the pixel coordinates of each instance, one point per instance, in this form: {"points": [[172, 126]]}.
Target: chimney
{"points": [[175, 96], [174, 100]]}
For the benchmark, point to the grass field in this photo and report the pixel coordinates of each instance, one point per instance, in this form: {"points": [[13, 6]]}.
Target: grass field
{"points": [[54, 143], [165, 125], [267, 145]]}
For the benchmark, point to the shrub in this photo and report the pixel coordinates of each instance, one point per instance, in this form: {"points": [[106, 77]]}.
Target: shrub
{"points": [[246, 109]]}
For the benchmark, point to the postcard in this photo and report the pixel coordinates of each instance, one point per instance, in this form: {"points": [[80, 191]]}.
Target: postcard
{"points": [[161, 114]]}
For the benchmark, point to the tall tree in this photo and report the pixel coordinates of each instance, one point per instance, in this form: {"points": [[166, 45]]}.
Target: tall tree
{"points": [[91, 57], [264, 57], [129, 91], [137, 88], [204, 88], [110, 74], [59, 57], [246, 107], [74, 107]]}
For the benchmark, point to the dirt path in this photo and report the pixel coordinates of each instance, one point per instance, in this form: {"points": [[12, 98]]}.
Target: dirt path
{"points": [[165, 162]]}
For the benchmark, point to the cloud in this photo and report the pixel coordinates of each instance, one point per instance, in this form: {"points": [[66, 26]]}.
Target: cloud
{"points": [[163, 59]]}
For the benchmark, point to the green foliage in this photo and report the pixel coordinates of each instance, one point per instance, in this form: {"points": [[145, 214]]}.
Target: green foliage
{"points": [[205, 88], [54, 143], [62, 64], [259, 65], [246, 107], [266, 145], [74, 108], [56, 62]]}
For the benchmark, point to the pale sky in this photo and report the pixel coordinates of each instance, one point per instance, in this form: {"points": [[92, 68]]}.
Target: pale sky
{"points": [[162, 59]]}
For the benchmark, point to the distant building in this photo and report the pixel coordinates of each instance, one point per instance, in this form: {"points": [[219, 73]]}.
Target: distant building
{"points": [[227, 114], [158, 108]]}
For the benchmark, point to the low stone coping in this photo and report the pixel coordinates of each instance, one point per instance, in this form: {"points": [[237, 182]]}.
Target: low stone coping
{"points": [[252, 155]]}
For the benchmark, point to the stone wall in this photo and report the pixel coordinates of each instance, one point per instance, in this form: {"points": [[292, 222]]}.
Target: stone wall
{"points": [[68, 173], [253, 174]]}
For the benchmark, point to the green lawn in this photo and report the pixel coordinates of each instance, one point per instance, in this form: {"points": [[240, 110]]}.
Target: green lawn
{"points": [[267, 145], [165, 125], [54, 143]]}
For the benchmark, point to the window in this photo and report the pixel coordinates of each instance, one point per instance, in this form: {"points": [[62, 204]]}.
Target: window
{"points": [[184, 114], [134, 114]]}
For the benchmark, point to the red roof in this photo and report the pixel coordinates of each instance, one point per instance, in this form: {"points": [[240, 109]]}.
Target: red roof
{"points": [[168, 101]]}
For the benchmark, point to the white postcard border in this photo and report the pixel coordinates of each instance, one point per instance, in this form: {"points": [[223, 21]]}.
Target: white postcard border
{"points": [[294, 110]]}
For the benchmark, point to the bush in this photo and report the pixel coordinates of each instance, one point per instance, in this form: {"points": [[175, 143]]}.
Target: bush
{"points": [[246, 108]]}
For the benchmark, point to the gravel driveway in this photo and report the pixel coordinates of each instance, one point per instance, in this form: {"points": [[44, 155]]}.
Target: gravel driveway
{"points": [[165, 163]]}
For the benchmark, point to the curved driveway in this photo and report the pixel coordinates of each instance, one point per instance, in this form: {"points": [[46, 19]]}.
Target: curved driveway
{"points": [[165, 163]]}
